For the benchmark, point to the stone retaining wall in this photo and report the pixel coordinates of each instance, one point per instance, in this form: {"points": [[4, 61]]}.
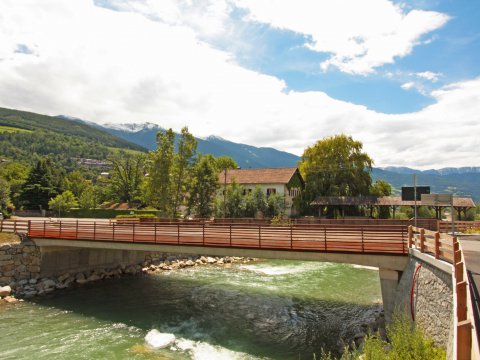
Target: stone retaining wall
{"points": [[29, 270], [433, 300]]}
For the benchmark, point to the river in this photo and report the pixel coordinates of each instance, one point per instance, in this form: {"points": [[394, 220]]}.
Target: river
{"points": [[261, 310]]}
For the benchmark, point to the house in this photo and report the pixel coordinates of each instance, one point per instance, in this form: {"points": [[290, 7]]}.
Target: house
{"points": [[284, 181]]}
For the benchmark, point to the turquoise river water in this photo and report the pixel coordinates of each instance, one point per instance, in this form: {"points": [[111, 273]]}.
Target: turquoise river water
{"points": [[261, 310]]}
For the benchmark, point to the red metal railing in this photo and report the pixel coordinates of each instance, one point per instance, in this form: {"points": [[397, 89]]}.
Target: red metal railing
{"points": [[390, 239]]}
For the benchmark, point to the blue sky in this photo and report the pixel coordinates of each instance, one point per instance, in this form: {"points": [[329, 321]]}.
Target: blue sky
{"points": [[402, 77]]}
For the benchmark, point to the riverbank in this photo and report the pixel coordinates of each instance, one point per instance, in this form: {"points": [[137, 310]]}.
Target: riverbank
{"points": [[20, 267]]}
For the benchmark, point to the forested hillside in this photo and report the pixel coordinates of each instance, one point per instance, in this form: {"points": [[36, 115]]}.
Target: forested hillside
{"points": [[27, 136]]}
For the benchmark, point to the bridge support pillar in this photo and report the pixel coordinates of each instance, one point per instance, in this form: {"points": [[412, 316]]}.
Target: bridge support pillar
{"points": [[389, 281]]}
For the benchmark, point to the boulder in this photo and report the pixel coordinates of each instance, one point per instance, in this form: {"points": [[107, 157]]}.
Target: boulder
{"points": [[211, 260], [93, 277], [48, 283], [5, 291], [10, 300], [80, 276]]}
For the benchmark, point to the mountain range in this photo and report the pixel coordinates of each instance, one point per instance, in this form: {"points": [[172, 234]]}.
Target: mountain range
{"points": [[462, 181], [246, 156]]}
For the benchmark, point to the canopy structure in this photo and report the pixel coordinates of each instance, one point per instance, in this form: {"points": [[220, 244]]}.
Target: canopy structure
{"points": [[461, 204]]}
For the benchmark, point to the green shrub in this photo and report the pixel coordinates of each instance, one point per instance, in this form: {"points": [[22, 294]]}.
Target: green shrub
{"points": [[105, 213], [136, 216]]}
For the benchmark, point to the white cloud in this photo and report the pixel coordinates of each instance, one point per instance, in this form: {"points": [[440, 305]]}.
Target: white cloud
{"points": [[359, 35], [429, 75], [408, 85], [121, 67]]}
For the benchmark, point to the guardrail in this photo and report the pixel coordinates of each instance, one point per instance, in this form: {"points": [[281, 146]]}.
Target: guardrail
{"points": [[14, 226], [460, 226], [447, 248], [391, 239]]}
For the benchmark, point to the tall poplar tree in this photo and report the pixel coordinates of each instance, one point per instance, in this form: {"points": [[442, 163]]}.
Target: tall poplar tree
{"points": [[158, 183], [182, 164], [203, 187]]}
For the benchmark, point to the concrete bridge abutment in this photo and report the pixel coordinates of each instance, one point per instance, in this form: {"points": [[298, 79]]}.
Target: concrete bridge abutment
{"points": [[389, 280]]}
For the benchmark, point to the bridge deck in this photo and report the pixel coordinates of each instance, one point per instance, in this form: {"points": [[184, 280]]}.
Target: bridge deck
{"points": [[390, 239]]}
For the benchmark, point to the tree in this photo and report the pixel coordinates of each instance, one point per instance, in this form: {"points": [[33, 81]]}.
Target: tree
{"points": [[15, 174], [88, 199], [275, 205], [235, 202], [158, 183], [204, 186], [183, 162], [76, 183], [259, 200], [225, 162], [63, 202], [126, 176], [335, 166], [40, 186], [382, 188], [4, 195]]}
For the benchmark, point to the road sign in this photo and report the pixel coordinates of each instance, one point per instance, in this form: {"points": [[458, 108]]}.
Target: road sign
{"points": [[409, 191]]}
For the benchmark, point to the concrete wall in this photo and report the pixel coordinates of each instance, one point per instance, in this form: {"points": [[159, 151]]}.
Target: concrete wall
{"points": [[433, 298], [59, 260]]}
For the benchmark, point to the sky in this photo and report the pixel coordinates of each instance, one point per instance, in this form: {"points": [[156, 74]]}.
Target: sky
{"points": [[403, 77]]}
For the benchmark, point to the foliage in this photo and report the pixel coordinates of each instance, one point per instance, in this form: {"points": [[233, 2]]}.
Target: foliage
{"points": [[382, 188], [4, 195], [126, 176], [42, 183], [225, 162], [204, 186], [157, 187], [335, 166], [137, 216], [182, 164], [275, 205], [88, 198], [63, 202], [76, 183], [105, 213], [15, 174]]}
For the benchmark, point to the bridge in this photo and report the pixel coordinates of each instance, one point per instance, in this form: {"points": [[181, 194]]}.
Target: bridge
{"points": [[381, 245]]}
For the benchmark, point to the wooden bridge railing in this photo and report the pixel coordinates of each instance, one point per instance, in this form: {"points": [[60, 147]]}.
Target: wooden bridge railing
{"points": [[391, 239], [11, 226], [447, 248], [460, 226]]}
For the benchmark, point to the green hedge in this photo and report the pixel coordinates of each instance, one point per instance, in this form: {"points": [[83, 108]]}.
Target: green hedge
{"points": [[105, 213]]}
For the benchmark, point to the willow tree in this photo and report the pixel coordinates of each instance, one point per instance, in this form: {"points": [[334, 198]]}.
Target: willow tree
{"points": [[335, 166]]}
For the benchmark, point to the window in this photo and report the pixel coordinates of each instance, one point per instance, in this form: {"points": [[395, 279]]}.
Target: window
{"points": [[271, 191]]}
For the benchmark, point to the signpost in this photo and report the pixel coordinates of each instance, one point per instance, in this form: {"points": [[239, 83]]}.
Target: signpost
{"points": [[414, 193]]}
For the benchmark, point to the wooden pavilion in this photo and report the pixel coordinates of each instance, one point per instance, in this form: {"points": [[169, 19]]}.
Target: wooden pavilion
{"points": [[460, 204]]}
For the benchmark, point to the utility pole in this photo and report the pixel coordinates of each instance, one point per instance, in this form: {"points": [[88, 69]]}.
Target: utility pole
{"points": [[225, 194], [415, 196]]}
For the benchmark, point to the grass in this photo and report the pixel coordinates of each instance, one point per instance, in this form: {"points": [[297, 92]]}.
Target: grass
{"points": [[8, 238], [128, 151], [11, 129]]}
